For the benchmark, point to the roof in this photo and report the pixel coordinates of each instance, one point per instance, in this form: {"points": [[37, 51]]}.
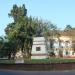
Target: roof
{"points": [[67, 33]]}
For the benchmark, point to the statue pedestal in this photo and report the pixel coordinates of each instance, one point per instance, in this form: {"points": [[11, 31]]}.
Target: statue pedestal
{"points": [[39, 48]]}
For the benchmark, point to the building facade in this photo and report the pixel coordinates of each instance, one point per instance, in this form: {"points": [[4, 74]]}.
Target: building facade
{"points": [[63, 46]]}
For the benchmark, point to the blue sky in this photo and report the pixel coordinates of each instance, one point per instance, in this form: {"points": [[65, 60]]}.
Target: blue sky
{"points": [[59, 12]]}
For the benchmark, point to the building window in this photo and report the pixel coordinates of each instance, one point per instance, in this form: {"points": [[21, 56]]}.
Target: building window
{"points": [[67, 43], [73, 53], [66, 52], [38, 48]]}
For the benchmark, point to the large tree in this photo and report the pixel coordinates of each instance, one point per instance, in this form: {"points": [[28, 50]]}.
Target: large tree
{"points": [[24, 28], [20, 32]]}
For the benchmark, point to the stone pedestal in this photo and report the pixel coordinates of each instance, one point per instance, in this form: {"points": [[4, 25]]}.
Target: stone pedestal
{"points": [[39, 48]]}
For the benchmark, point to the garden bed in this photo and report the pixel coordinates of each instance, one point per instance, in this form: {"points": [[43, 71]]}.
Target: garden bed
{"points": [[36, 61], [40, 65]]}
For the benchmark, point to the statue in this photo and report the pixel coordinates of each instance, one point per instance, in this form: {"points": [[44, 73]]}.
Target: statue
{"points": [[39, 32]]}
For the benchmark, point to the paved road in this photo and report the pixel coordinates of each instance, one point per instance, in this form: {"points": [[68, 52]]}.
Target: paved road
{"points": [[10, 72]]}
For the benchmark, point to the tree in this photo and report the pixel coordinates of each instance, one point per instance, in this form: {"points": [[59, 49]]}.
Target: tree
{"points": [[68, 27], [24, 28], [4, 47], [21, 30], [1, 42], [18, 12]]}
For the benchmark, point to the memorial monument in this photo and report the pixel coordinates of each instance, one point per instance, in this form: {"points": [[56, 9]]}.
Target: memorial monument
{"points": [[39, 48]]}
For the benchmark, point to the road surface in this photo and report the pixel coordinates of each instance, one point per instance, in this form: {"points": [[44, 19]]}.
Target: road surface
{"points": [[13, 72]]}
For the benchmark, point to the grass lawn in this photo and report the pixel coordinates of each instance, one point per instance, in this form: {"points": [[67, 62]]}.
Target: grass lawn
{"points": [[50, 60], [7, 61]]}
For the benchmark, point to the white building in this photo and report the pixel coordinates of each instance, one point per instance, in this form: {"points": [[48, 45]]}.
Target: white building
{"points": [[63, 47]]}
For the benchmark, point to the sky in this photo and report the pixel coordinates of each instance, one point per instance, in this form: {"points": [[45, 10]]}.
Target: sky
{"points": [[59, 12]]}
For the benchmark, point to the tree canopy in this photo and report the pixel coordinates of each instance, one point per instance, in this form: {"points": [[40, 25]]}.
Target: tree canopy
{"points": [[21, 31], [68, 27]]}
